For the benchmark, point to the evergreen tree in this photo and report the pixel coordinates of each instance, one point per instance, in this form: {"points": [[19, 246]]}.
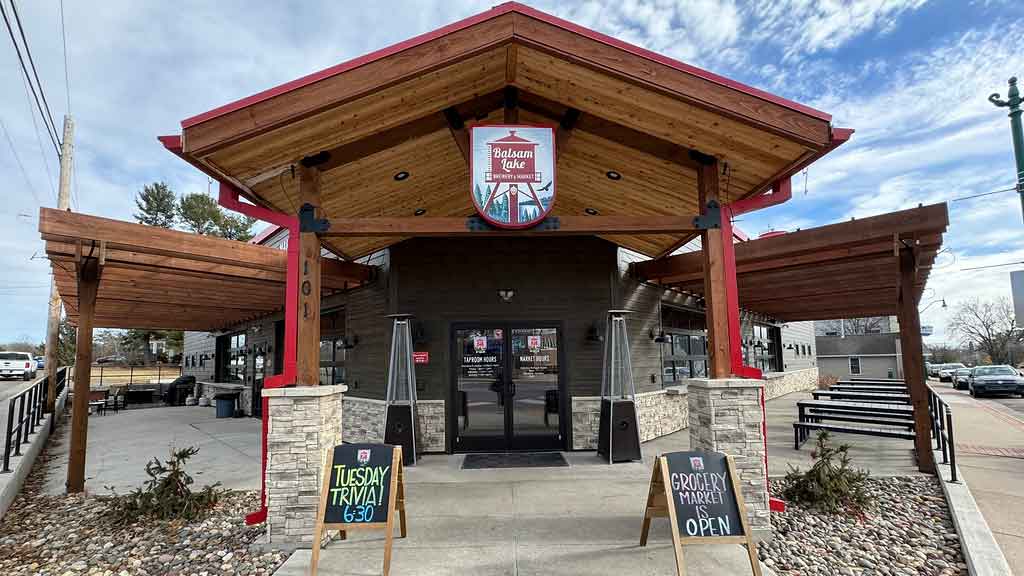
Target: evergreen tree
{"points": [[200, 214], [235, 227], [156, 204]]}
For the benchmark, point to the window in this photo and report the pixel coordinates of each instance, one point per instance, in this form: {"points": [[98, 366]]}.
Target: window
{"points": [[854, 365], [231, 358], [761, 349], [685, 349], [332, 347]]}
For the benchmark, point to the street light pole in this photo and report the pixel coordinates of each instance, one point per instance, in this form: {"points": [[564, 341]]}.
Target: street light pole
{"points": [[1013, 102]]}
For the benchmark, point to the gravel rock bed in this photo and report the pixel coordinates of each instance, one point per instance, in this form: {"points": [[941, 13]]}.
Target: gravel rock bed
{"points": [[45, 535], [908, 532]]}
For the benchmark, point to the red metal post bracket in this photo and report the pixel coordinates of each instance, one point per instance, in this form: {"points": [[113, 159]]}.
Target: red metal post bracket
{"points": [[228, 198]]}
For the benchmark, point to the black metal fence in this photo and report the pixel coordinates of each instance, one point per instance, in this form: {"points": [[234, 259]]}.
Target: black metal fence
{"points": [[942, 430], [25, 412]]}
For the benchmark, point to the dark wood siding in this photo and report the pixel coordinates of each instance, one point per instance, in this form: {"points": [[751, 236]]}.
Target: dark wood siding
{"points": [[644, 300], [443, 280]]}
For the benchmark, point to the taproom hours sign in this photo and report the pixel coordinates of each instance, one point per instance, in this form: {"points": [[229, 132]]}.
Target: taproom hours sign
{"points": [[513, 173]]}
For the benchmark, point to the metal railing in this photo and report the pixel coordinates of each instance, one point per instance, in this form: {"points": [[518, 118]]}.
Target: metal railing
{"points": [[29, 406], [942, 430], [118, 375]]}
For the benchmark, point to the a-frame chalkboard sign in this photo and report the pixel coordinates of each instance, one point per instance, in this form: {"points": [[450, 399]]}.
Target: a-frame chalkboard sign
{"points": [[699, 494], [363, 487]]}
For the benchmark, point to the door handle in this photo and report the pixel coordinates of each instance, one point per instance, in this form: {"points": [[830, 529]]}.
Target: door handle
{"points": [[512, 384]]}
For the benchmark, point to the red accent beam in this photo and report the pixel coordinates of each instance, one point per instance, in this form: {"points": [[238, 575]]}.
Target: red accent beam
{"points": [[228, 198]]}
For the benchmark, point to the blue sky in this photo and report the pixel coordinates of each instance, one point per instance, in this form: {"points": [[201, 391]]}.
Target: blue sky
{"points": [[910, 76]]}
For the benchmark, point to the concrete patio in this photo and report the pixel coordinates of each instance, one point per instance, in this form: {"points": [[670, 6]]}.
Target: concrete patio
{"points": [[584, 518], [121, 443]]}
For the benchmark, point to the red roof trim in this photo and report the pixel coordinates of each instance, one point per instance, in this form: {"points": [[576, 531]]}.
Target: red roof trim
{"points": [[267, 232], [484, 16]]}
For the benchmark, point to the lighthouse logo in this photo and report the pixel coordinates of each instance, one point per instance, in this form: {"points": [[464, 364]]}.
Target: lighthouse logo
{"points": [[513, 174]]}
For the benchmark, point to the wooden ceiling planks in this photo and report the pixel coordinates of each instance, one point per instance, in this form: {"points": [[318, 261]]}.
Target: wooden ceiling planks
{"points": [[848, 269], [382, 113]]}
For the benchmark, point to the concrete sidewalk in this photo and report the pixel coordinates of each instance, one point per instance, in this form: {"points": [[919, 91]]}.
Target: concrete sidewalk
{"points": [[990, 454], [120, 445], [580, 519]]}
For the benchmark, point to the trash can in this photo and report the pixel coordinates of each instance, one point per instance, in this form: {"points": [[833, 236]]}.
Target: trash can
{"points": [[226, 404]]}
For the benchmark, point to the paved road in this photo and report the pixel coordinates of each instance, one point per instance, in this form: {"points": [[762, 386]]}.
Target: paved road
{"points": [[990, 454], [8, 389]]}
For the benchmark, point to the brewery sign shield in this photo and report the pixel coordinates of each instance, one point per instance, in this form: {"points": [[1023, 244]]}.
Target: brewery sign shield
{"points": [[513, 174]]}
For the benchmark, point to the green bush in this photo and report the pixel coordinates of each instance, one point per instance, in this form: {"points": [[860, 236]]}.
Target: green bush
{"points": [[830, 484], [167, 495]]}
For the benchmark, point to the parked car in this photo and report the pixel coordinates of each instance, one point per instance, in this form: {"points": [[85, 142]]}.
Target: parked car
{"points": [[40, 362], [112, 360], [1000, 379], [947, 370], [17, 365], [961, 378]]}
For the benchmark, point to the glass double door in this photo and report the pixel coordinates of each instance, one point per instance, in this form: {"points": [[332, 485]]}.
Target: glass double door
{"points": [[507, 387]]}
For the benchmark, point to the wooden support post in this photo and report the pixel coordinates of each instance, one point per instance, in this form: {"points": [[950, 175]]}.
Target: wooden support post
{"points": [[308, 349], [88, 282], [715, 295], [913, 358]]}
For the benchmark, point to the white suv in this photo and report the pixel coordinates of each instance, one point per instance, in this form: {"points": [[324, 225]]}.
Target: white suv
{"points": [[17, 365]]}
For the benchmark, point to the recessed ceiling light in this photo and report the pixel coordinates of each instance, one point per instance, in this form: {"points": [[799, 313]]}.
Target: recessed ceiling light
{"points": [[613, 175], [420, 212], [399, 176], [590, 211]]}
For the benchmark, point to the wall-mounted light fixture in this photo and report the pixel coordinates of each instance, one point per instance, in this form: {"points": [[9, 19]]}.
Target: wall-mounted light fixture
{"points": [[657, 336], [350, 342], [506, 294], [594, 333]]}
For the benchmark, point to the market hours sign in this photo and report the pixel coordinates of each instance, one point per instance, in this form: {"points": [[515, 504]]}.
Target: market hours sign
{"points": [[513, 174]]}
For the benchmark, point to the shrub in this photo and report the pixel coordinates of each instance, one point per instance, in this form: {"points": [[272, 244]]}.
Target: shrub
{"points": [[825, 381], [167, 495], [830, 484]]}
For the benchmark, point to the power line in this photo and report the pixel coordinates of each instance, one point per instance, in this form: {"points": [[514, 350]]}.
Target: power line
{"points": [[1010, 189], [18, 161], [39, 139], [64, 41], [32, 62], [24, 69], [992, 266]]}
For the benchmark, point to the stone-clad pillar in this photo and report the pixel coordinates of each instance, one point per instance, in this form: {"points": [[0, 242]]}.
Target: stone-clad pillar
{"points": [[305, 424], [725, 416]]}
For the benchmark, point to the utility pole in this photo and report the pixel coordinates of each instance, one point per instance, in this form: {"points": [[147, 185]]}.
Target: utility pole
{"points": [[53, 321], [1013, 102]]}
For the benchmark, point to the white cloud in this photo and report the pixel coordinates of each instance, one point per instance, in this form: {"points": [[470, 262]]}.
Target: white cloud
{"points": [[924, 129]]}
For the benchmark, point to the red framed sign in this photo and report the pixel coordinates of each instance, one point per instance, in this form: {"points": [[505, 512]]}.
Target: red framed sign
{"points": [[421, 357], [512, 170]]}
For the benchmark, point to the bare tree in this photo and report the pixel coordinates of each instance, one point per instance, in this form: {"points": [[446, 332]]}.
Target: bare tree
{"points": [[853, 326], [989, 325]]}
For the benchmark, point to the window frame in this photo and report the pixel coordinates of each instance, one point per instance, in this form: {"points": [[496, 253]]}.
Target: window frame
{"points": [[859, 369]]}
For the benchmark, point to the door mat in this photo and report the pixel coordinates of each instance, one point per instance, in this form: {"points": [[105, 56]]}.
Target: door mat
{"points": [[514, 460]]}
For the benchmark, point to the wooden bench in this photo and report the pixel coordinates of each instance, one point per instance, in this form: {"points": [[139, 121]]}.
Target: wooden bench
{"points": [[814, 411], [886, 398], [801, 431], [869, 408], [868, 388]]}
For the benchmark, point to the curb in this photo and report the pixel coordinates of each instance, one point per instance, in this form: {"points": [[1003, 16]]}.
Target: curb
{"points": [[981, 552]]}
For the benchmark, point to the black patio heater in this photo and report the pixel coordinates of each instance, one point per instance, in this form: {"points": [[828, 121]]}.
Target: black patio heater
{"points": [[400, 402], [618, 436]]}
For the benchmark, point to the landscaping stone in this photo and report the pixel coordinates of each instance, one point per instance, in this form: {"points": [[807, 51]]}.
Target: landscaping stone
{"points": [[46, 535], [908, 531]]}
